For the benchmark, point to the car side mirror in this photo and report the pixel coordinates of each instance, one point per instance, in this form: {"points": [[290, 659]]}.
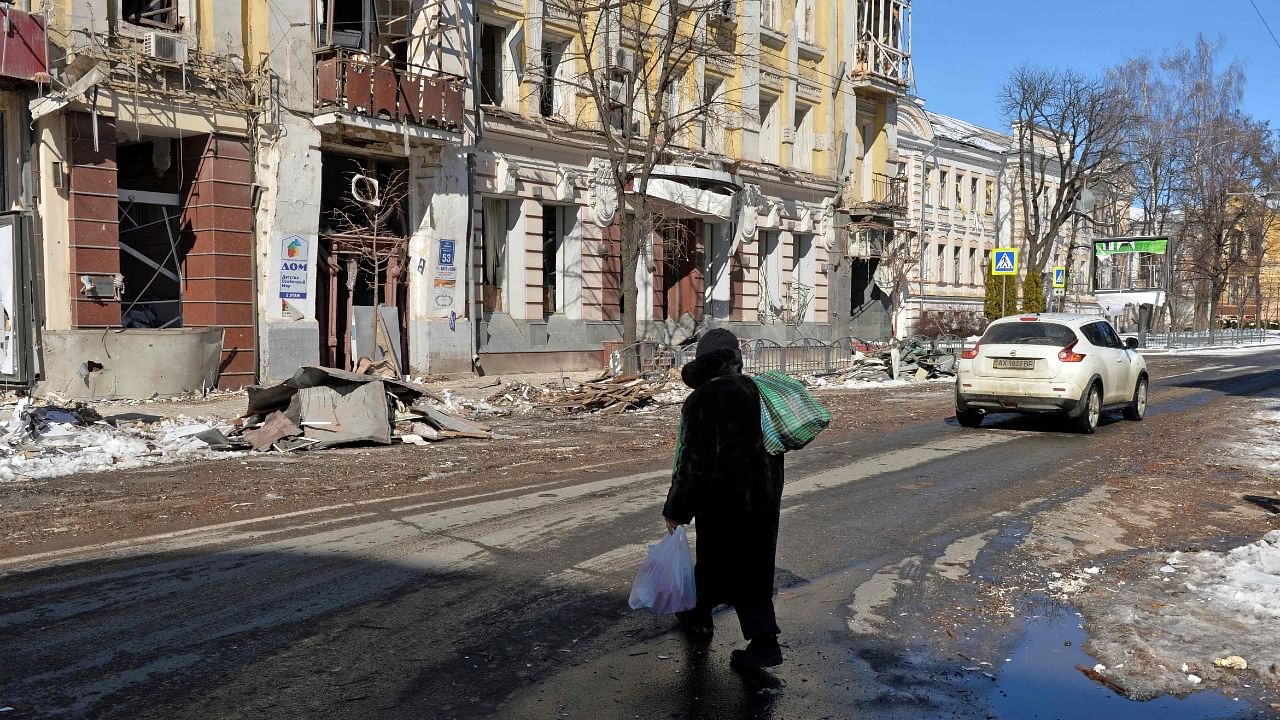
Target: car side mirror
{"points": [[1131, 343]]}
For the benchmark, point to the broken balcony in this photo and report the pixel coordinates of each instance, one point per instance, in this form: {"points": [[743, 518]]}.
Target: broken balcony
{"points": [[355, 82], [884, 195]]}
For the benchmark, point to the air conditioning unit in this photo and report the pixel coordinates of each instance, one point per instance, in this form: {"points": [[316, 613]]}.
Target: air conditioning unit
{"points": [[624, 61], [724, 11], [165, 48]]}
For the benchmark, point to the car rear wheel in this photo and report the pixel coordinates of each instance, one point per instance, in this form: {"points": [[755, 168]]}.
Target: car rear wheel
{"points": [[970, 418], [1088, 420], [1137, 408]]}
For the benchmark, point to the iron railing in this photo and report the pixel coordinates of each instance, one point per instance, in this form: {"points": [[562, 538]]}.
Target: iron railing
{"points": [[380, 88], [1204, 338], [805, 356]]}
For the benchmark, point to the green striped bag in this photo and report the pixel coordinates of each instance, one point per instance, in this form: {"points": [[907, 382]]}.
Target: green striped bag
{"points": [[789, 416]]}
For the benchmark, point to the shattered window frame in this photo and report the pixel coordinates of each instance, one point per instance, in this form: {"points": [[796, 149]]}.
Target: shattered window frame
{"points": [[160, 14]]}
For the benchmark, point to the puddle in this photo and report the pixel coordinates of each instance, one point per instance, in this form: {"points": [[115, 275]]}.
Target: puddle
{"points": [[1041, 680]]}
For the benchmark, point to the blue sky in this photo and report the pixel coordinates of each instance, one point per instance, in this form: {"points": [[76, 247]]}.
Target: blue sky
{"points": [[963, 50]]}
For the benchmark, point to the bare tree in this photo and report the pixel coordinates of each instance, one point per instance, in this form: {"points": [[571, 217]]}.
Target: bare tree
{"points": [[1226, 158], [369, 225], [640, 65], [1070, 133], [899, 256]]}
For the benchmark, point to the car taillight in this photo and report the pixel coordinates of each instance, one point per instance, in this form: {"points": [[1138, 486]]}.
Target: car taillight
{"points": [[1068, 353], [971, 353]]}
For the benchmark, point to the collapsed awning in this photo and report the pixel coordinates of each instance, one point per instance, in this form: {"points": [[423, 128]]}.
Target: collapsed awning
{"points": [[678, 200]]}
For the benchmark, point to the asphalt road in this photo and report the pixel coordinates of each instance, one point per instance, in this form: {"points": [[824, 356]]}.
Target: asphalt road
{"points": [[513, 605]]}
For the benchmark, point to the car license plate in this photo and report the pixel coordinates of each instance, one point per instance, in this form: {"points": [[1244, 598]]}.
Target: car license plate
{"points": [[1014, 363]]}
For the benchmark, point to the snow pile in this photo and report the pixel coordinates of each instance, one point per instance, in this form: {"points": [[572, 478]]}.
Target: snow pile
{"points": [[1207, 614], [38, 443], [1244, 582]]}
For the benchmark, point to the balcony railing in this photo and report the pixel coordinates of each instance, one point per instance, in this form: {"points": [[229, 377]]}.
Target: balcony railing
{"points": [[881, 60], [354, 82], [885, 192]]}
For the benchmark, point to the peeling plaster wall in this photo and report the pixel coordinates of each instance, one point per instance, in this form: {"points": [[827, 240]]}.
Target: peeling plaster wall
{"points": [[440, 328], [288, 205], [53, 208]]}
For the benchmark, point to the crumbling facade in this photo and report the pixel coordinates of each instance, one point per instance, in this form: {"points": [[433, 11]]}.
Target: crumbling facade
{"points": [[757, 200], [238, 189], [143, 186], [363, 181]]}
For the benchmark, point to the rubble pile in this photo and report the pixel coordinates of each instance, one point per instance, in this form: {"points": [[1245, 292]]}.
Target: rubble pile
{"points": [[917, 361], [321, 407], [605, 395], [316, 408], [45, 441]]}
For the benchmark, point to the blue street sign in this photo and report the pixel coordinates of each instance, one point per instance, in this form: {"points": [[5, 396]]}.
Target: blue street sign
{"points": [[1004, 261]]}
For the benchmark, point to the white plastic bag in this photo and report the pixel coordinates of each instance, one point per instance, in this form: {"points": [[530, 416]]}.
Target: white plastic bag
{"points": [[665, 581]]}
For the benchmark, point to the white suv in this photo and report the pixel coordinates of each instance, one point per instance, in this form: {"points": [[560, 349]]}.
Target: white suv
{"points": [[1051, 363]]}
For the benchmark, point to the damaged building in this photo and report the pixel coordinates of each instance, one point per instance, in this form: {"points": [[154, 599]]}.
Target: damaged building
{"points": [[363, 186], [223, 192], [144, 199]]}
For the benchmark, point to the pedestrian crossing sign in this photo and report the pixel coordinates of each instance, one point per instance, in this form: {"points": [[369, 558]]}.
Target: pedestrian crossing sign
{"points": [[1059, 277], [1004, 261]]}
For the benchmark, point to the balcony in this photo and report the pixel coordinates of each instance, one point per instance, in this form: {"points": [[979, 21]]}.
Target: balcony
{"points": [[23, 47], [883, 196], [880, 67], [352, 81]]}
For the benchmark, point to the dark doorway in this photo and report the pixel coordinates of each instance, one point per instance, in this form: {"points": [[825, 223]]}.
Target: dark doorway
{"points": [[869, 311], [362, 260]]}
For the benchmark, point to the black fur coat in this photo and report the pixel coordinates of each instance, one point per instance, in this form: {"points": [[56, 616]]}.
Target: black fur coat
{"points": [[725, 479]]}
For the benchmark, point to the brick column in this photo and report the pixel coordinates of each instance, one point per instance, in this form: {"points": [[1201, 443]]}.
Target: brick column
{"points": [[217, 222], [93, 225]]}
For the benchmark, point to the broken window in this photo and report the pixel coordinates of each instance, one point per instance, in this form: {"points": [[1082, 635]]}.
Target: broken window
{"points": [[153, 250], [556, 92], [161, 14], [804, 20], [771, 14], [770, 270], [497, 228], [712, 124], [377, 27], [492, 39], [552, 244], [802, 150], [769, 139]]}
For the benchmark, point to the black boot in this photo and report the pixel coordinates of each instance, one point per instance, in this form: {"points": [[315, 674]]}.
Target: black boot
{"points": [[696, 624], [760, 653]]}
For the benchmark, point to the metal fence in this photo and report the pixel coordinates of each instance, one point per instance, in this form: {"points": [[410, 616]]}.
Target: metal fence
{"points": [[805, 356], [1204, 338]]}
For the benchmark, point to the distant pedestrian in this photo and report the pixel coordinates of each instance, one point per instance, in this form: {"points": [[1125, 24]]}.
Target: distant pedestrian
{"points": [[724, 478]]}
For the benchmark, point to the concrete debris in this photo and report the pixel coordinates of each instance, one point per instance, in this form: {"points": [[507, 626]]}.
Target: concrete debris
{"points": [[322, 407], [605, 395], [51, 440], [917, 361]]}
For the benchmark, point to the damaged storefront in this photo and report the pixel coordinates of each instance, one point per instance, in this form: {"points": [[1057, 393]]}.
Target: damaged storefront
{"points": [[23, 66], [363, 205], [145, 196]]}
